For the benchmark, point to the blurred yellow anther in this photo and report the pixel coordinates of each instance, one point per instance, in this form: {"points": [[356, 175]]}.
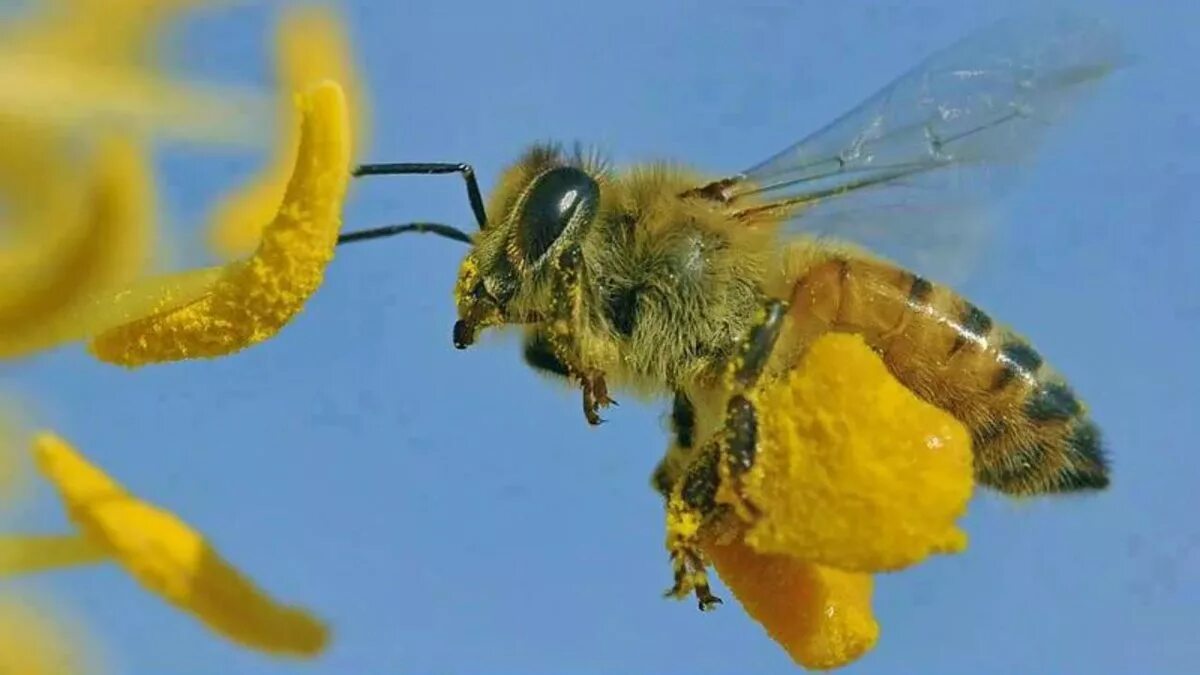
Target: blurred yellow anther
{"points": [[124, 32], [36, 641], [853, 470], [87, 63], [105, 243], [172, 560], [253, 299], [312, 45], [821, 616]]}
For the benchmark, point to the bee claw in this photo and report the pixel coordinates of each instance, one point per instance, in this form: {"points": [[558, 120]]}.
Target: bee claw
{"points": [[709, 602], [595, 397]]}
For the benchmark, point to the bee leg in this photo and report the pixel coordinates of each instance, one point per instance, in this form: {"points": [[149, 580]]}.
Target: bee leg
{"points": [[739, 434], [710, 490], [708, 496], [691, 507], [738, 451], [595, 396], [683, 424], [753, 353], [540, 355], [567, 297]]}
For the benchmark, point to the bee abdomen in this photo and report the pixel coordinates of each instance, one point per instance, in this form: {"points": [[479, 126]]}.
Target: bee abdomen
{"points": [[1031, 432], [1033, 435]]}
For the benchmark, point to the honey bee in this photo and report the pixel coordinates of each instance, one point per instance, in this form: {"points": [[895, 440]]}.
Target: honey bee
{"points": [[662, 282]]}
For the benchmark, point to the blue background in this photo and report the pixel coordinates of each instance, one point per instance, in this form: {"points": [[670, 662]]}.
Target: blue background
{"points": [[450, 511]]}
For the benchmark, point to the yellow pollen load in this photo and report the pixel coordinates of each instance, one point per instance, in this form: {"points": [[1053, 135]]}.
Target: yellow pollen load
{"points": [[821, 616], [311, 45], [169, 558], [854, 474], [251, 300], [853, 470]]}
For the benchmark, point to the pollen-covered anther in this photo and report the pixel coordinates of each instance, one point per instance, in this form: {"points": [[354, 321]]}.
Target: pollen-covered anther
{"points": [[311, 45], [167, 557], [250, 301]]}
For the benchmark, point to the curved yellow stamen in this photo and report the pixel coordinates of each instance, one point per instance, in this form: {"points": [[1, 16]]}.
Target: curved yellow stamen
{"points": [[312, 45], [172, 560], [253, 299]]}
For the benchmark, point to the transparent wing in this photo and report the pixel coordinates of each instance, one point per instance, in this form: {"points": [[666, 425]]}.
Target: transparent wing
{"points": [[909, 171]]}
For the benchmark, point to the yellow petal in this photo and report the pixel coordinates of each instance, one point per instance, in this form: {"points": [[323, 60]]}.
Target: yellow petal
{"points": [[820, 616], [174, 561], [255, 298], [39, 553], [49, 281], [35, 641], [853, 470], [312, 45]]}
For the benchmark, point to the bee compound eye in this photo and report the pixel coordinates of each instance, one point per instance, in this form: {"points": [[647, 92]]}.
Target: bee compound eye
{"points": [[560, 198]]}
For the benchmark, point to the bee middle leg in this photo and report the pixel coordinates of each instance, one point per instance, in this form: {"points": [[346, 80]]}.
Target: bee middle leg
{"points": [[567, 298], [710, 491], [540, 355], [679, 453]]}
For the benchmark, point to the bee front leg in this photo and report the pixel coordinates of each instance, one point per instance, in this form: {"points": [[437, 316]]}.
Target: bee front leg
{"points": [[568, 294]]}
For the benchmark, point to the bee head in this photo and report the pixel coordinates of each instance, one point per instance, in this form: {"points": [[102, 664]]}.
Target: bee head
{"points": [[555, 209], [545, 202]]}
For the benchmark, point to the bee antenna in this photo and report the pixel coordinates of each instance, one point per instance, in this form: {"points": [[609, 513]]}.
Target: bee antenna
{"points": [[426, 168], [391, 230]]}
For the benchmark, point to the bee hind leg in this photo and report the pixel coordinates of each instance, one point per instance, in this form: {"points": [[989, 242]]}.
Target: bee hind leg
{"points": [[540, 355], [691, 509], [707, 495], [748, 364], [710, 490], [679, 452]]}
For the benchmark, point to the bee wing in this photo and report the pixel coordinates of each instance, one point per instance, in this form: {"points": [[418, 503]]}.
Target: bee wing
{"points": [[910, 170]]}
